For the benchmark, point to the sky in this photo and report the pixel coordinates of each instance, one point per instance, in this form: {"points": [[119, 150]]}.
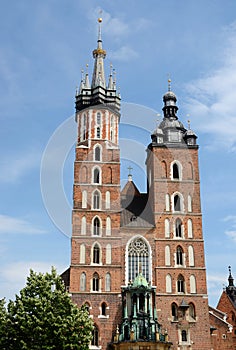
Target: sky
{"points": [[43, 47]]}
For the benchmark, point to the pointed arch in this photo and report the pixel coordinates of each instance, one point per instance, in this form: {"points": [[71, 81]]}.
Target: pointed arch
{"points": [[179, 256], [163, 169], [96, 253], [82, 253], [108, 282], [178, 228], [84, 199], [83, 282], [174, 311], [177, 202], [176, 171], [190, 228], [167, 228], [167, 255], [83, 225], [96, 175], [108, 226], [104, 309], [192, 281], [96, 226], [192, 312], [189, 203], [97, 153], [191, 256], [108, 254], [167, 202], [180, 284], [190, 170], [108, 199], [168, 284], [96, 199], [95, 282]]}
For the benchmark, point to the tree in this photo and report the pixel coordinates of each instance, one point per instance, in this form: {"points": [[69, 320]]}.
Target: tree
{"points": [[3, 325], [43, 317]]}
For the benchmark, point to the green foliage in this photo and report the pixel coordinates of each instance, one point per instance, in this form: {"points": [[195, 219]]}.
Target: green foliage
{"points": [[43, 317]]}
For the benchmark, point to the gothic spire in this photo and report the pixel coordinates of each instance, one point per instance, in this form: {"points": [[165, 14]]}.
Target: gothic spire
{"points": [[99, 54]]}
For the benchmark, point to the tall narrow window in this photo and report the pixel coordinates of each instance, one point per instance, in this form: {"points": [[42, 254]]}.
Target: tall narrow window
{"points": [[167, 202], [138, 259], [175, 170], [189, 203], [190, 228], [184, 335], [164, 169], [108, 196], [108, 254], [180, 284], [97, 153], [108, 226], [82, 254], [179, 256], [83, 282], [178, 228], [98, 125], [168, 284], [108, 282], [95, 282], [112, 129], [83, 128], [96, 176], [103, 309], [96, 227], [96, 254], [192, 281], [84, 199], [167, 255], [167, 228], [174, 312], [190, 170], [96, 200], [177, 203], [95, 334], [191, 256], [83, 225], [192, 313]]}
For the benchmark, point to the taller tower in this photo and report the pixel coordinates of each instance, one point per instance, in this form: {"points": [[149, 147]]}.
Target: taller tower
{"points": [[95, 271]]}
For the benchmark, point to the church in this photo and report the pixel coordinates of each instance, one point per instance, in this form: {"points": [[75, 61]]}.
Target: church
{"points": [[137, 259]]}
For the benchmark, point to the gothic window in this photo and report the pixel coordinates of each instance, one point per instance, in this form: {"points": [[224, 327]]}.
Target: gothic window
{"points": [[178, 228], [108, 282], [96, 254], [96, 200], [108, 226], [95, 337], [192, 313], [191, 255], [177, 203], [98, 126], [83, 282], [82, 254], [179, 256], [180, 284], [164, 169], [96, 226], [103, 309], [176, 171], [96, 176], [174, 311], [190, 228], [108, 197], [184, 335], [108, 254], [167, 228], [167, 202], [193, 284], [87, 307], [95, 282], [190, 170], [97, 153], [189, 203], [167, 255], [84, 199], [168, 284], [83, 225], [138, 259]]}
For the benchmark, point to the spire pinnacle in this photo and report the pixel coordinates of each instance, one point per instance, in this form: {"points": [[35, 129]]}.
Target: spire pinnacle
{"points": [[169, 84]]}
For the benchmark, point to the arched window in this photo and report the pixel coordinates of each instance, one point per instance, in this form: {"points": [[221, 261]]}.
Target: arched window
{"points": [[84, 199], [168, 284], [190, 228], [174, 311], [95, 282], [180, 284], [87, 307], [108, 254], [108, 226], [189, 203], [108, 197], [164, 169], [108, 282], [97, 153], [82, 254], [138, 258], [103, 309], [95, 334], [83, 225], [96, 176], [96, 226], [96, 199], [192, 313], [193, 284], [178, 228], [191, 255], [184, 335], [167, 255], [83, 282], [177, 203], [175, 171], [190, 170], [96, 254], [167, 228], [179, 256], [167, 202]]}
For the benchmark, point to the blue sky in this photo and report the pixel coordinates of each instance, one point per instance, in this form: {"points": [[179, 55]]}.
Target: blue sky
{"points": [[43, 47]]}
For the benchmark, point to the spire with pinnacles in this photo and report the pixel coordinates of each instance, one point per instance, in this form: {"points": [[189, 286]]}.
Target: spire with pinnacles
{"points": [[99, 54]]}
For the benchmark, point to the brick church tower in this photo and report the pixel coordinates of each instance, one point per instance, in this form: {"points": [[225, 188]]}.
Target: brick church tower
{"points": [[137, 259]]}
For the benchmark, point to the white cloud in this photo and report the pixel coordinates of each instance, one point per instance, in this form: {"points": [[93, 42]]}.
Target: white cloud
{"points": [[124, 53], [10, 225], [231, 234], [211, 99], [20, 165]]}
